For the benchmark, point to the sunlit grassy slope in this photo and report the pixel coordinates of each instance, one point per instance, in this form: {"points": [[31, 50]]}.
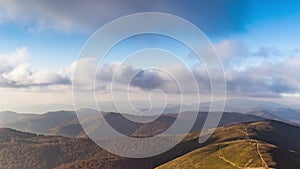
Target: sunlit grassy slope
{"points": [[266, 144]]}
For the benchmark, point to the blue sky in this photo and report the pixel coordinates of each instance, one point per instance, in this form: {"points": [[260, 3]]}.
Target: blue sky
{"points": [[265, 23], [273, 23], [251, 37]]}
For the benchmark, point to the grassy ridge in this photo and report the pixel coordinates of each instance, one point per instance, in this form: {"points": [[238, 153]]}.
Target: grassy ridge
{"points": [[249, 145]]}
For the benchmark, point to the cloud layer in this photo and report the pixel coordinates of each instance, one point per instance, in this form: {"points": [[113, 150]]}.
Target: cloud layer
{"points": [[213, 17], [15, 72], [266, 79]]}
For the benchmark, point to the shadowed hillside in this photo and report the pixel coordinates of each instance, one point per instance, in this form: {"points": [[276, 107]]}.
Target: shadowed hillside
{"points": [[19, 150], [264, 144], [65, 123]]}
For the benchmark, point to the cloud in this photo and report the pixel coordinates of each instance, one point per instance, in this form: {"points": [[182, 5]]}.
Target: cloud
{"points": [[239, 56], [267, 52], [213, 17], [7, 61], [147, 80], [267, 79], [128, 75], [228, 49], [17, 73], [23, 77], [20, 75], [171, 79]]}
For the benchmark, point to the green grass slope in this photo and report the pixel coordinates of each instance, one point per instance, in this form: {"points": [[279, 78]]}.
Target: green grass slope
{"points": [[265, 144]]}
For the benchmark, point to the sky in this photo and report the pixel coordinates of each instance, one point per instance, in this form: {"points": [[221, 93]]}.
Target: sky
{"points": [[40, 41]]}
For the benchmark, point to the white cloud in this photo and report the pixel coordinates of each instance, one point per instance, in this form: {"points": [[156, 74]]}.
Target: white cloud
{"points": [[20, 75], [231, 48], [267, 79], [17, 73], [46, 77], [14, 58], [23, 76]]}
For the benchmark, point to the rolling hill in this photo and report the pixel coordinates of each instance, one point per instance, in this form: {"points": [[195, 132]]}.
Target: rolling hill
{"points": [[263, 144], [65, 123], [287, 115], [7, 117], [53, 123]]}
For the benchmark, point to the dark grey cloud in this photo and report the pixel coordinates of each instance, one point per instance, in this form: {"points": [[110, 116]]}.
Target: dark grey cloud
{"points": [[128, 75], [147, 80], [214, 17]]}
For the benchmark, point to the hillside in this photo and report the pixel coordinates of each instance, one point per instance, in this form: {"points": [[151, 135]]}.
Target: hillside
{"points": [[7, 117], [20, 150], [287, 115], [41, 123], [65, 123], [264, 144]]}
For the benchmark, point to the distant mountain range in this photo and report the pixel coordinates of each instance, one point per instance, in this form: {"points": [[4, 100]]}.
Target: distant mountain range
{"points": [[262, 135], [65, 123], [266, 109], [7, 117], [287, 115], [264, 144]]}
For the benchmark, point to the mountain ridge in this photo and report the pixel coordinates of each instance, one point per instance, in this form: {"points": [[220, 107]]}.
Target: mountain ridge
{"points": [[65, 123], [61, 152]]}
